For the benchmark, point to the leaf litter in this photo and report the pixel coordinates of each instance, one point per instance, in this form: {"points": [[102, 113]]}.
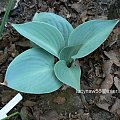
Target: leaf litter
{"points": [[109, 75]]}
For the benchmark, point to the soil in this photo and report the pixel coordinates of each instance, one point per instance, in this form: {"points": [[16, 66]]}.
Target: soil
{"points": [[98, 68]]}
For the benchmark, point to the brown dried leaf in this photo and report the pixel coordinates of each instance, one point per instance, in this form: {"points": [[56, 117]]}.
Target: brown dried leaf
{"points": [[97, 71], [104, 101], [118, 112], [84, 16], [59, 100], [117, 83], [85, 116], [3, 58], [107, 67], [51, 115], [77, 7], [102, 17], [117, 31], [117, 73], [29, 103], [104, 106], [107, 83], [115, 106], [23, 43], [26, 114], [112, 55]]}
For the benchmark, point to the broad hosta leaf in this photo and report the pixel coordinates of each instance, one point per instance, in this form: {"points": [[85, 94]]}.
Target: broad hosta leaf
{"points": [[67, 52], [44, 35], [59, 22], [91, 35], [69, 76], [32, 72]]}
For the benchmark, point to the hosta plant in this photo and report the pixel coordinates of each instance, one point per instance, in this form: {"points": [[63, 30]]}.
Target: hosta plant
{"points": [[36, 71]]}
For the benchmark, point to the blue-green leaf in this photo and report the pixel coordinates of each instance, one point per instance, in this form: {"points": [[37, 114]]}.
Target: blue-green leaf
{"points": [[59, 22], [69, 76], [67, 52], [33, 72], [91, 35], [44, 35]]}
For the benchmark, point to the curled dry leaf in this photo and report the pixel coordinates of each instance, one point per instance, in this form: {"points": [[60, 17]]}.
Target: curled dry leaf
{"points": [[26, 114], [115, 106], [107, 83], [77, 7], [102, 17], [103, 102], [117, 83], [117, 31], [107, 67], [117, 73], [98, 71], [104, 106], [84, 16], [113, 56], [114, 36]]}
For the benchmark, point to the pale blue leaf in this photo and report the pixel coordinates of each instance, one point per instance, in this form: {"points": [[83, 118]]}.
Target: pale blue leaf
{"points": [[32, 72], [59, 22], [67, 52], [90, 35], [44, 35], [69, 76]]}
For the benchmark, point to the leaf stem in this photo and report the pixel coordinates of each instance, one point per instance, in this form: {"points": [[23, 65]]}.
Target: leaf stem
{"points": [[69, 62], [5, 18], [14, 114]]}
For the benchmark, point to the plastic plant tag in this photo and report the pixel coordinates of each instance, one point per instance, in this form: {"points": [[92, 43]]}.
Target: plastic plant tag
{"points": [[10, 105], [2, 116]]}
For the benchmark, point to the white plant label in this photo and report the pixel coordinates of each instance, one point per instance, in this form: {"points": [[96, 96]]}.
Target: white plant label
{"points": [[10, 105]]}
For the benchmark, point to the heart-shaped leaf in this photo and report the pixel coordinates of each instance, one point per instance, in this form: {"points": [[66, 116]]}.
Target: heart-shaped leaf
{"points": [[69, 76], [91, 35], [44, 35], [67, 52], [59, 22], [32, 72]]}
